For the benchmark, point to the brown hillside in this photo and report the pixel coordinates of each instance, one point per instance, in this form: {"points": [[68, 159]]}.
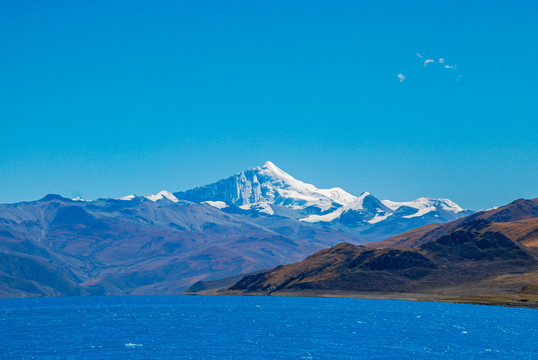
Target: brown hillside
{"points": [[469, 261], [515, 213]]}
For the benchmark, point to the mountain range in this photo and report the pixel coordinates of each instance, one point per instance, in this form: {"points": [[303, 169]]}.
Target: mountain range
{"points": [[270, 191], [160, 244], [517, 220], [486, 257]]}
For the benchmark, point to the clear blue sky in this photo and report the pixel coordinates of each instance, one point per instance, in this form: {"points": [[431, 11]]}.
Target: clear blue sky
{"points": [[108, 98]]}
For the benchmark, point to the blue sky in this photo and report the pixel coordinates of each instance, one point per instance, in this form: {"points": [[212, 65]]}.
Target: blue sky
{"points": [[104, 99]]}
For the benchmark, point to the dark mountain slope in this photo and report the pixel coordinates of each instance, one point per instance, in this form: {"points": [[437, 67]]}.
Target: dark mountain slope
{"points": [[464, 261], [23, 275]]}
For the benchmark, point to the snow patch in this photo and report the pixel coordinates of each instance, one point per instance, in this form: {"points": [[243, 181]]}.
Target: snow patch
{"points": [[217, 204], [421, 212], [263, 207], [127, 198], [326, 218], [378, 218]]}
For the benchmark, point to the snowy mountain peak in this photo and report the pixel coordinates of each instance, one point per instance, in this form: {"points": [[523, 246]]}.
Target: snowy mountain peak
{"points": [[161, 195], [268, 189], [269, 164], [127, 198], [357, 204], [296, 194], [271, 170], [424, 205]]}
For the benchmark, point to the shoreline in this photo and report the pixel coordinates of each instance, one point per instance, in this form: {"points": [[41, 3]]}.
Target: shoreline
{"points": [[520, 300]]}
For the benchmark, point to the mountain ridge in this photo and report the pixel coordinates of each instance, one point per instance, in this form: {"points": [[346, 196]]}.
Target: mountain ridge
{"points": [[518, 210], [163, 243], [269, 190], [471, 263]]}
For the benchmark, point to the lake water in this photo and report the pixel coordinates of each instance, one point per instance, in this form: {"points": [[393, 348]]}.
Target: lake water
{"points": [[222, 327]]}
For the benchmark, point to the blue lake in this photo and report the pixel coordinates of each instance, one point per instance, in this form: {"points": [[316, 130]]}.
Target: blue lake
{"points": [[222, 327]]}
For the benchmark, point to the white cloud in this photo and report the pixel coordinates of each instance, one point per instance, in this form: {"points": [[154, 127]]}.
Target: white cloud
{"points": [[433, 65]]}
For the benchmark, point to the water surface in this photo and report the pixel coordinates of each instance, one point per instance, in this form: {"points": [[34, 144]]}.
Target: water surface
{"points": [[222, 327]]}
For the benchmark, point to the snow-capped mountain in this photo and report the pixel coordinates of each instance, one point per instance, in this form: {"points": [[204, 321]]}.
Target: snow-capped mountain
{"points": [[161, 243], [269, 190], [423, 206], [264, 187], [162, 195]]}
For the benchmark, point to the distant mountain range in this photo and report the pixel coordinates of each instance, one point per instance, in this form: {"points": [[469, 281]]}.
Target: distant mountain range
{"points": [[517, 220], [486, 257], [269, 190], [160, 244]]}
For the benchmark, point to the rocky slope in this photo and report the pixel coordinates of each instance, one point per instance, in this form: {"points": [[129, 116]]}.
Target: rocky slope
{"points": [[475, 257], [139, 247]]}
